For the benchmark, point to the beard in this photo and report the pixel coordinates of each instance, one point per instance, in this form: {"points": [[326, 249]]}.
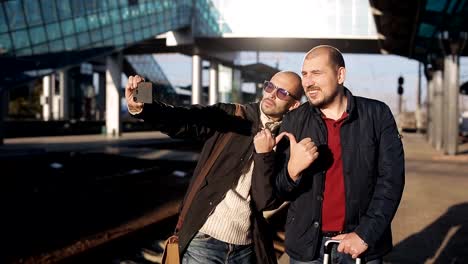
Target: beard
{"points": [[319, 102], [323, 101]]}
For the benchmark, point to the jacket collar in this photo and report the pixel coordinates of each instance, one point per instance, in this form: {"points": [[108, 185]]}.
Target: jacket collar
{"points": [[351, 107]]}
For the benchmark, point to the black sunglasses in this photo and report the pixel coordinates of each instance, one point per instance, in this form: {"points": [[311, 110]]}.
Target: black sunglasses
{"points": [[281, 93]]}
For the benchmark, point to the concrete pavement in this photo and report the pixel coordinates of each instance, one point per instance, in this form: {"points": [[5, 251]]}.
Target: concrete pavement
{"points": [[431, 224]]}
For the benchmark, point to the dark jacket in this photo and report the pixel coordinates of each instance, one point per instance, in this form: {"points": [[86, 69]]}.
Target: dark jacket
{"points": [[373, 169], [208, 124]]}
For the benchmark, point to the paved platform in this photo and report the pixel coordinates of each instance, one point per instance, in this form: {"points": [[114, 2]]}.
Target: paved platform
{"points": [[77, 142], [66, 195], [431, 224], [142, 145]]}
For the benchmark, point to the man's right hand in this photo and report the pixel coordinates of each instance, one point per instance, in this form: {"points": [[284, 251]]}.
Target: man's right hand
{"points": [[302, 154], [132, 84]]}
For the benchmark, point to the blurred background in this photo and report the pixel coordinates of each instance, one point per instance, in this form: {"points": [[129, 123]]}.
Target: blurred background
{"points": [[85, 182]]}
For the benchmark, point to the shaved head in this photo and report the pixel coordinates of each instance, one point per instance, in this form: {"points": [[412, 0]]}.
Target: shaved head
{"points": [[275, 107], [334, 55], [294, 79]]}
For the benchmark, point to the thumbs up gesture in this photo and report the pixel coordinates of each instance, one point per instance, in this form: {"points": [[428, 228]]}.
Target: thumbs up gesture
{"points": [[264, 141], [302, 154]]}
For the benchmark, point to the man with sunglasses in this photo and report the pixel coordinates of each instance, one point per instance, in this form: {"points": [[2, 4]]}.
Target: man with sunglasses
{"points": [[224, 223], [344, 169]]}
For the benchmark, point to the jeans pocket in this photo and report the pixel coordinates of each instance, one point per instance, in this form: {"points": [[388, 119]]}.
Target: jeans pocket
{"points": [[201, 237]]}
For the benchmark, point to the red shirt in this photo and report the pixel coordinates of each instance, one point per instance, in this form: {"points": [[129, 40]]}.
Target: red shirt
{"points": [[333, 208]]}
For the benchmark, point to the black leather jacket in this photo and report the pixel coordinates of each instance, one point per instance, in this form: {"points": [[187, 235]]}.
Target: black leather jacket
{"points": [[207, 124]]}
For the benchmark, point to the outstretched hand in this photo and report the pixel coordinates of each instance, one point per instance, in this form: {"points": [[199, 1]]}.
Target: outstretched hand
{"points": [[131, 86]]}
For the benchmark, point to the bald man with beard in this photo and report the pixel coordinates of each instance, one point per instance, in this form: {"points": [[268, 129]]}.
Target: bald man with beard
{"points": [[224, 223], [344, 170]]}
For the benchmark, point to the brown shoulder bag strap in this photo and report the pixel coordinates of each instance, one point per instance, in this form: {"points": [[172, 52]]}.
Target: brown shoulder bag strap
{"points": [[222, 142]]}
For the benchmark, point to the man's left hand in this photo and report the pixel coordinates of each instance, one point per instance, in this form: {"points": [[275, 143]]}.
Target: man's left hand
{"points": [[264, 141], [351, 244]]}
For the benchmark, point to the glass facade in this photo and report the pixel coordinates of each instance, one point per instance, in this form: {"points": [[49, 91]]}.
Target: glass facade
{"points": [[208, 20], [147, 66], [32, 27]]}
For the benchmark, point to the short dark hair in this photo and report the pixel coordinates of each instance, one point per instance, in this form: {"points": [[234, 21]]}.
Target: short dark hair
{"points": [[336, 58]]}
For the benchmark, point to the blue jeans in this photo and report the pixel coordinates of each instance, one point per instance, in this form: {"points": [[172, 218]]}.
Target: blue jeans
{"points": [[336, 257], [204, 249]]}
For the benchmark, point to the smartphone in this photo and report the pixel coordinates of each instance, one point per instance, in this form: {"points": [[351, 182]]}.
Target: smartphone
{"points": [[143, 93]]}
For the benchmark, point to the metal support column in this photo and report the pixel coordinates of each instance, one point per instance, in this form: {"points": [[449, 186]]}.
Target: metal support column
{"points": [[113, 95], [64, 112], [196, 79], [451, 88], [418, 113], [451, 45], [213, 94], [438, 108], [237, 86], [48, 83], [225, 84], [430, 109], [101, 99]]}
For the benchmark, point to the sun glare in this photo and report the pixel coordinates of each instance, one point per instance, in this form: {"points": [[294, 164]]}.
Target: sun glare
{"points": [[298, 18]]}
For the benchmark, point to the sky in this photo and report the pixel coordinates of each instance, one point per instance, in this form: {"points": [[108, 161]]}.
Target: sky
{"points": [[312, 18], [369, 75]]}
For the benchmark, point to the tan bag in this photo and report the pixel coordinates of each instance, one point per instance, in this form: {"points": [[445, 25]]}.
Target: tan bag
{"points": [[171, 249]]}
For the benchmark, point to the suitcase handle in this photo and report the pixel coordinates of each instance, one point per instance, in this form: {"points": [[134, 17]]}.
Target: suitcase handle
{"points": [[327, 248]]}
